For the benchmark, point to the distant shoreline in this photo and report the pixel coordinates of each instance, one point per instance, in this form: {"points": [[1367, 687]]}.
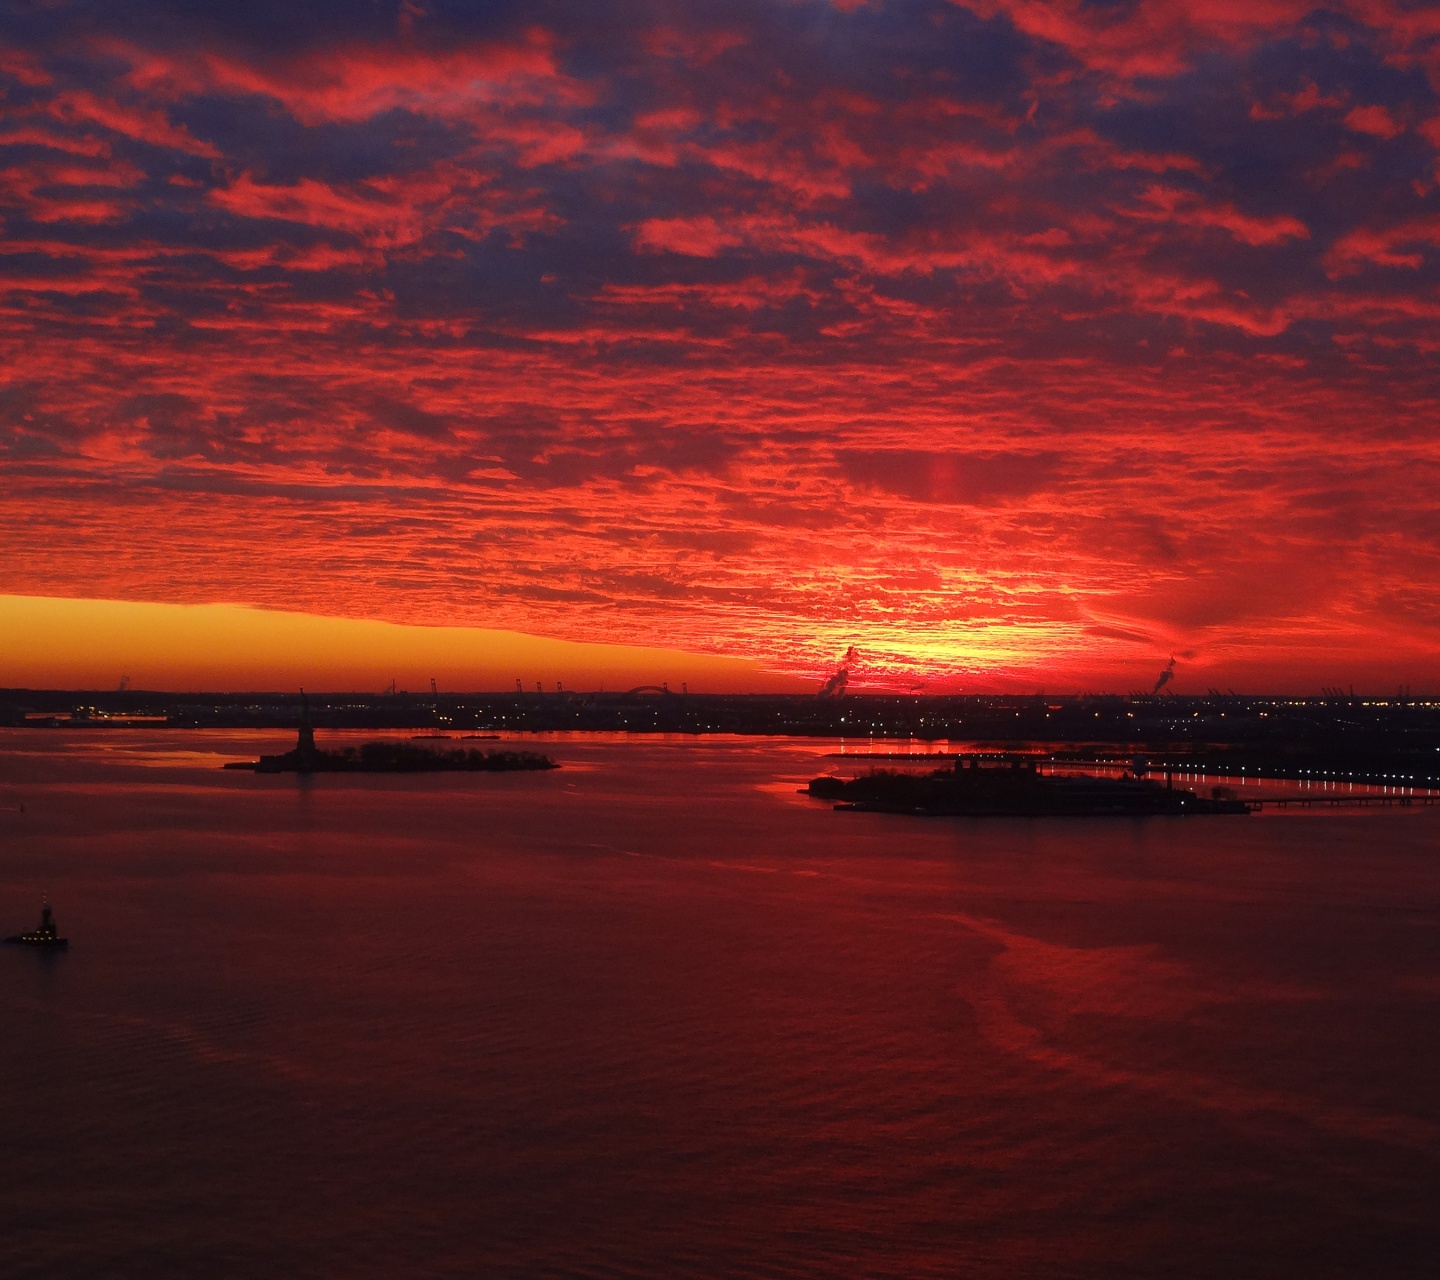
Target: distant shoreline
{"points": [[1383, 740]]}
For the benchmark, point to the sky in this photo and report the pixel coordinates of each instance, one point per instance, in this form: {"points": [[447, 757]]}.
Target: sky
{"points": [[1015, 344]]}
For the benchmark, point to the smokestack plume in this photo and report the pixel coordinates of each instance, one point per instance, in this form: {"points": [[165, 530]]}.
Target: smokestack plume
{"points": [[1165, 676], [835, 686]]}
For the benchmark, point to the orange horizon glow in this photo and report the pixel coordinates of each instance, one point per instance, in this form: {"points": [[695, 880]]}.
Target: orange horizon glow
{"points": [[94, 644], [54, 643]]}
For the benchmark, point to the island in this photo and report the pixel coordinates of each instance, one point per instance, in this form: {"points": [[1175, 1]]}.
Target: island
{"points": [[1013, 786], [390, 757]]}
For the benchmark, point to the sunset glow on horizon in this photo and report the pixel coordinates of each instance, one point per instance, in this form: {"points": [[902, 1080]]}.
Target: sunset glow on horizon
{"points": [[1016, 345], [96, 644]]}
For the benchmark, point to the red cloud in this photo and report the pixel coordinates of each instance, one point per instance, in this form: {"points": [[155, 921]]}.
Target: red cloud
{"points": [[318, 257], [1308, 98], [699, 237], [1186, 208], [1160, 38], [24, 66], [1397, 246], [360, 82], [389, 212], [1148, 38], [141, 123], [32, 136], [57, 190], [1376, 121], [695, 48], [363, 213]]}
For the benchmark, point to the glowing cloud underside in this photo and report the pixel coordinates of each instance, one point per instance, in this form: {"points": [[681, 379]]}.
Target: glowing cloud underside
{"points": [[1004, 342]]}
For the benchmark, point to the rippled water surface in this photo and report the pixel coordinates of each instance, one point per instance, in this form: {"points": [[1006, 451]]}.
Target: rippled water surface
{"points": [[655, 1014]]}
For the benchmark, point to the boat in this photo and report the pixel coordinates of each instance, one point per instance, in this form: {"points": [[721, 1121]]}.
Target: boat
{"points": [[46, 936]]}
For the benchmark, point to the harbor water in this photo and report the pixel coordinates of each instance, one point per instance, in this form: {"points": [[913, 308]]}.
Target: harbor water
{"points": [[656, 1013]]}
